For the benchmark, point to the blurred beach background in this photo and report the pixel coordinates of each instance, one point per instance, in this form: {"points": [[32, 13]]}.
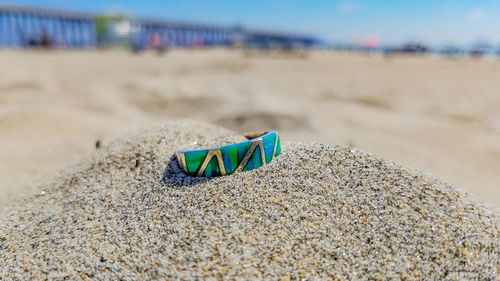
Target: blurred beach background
{"points": [[417, 83]]}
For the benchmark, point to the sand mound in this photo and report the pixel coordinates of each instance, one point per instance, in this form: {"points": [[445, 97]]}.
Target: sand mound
{"points": [[318, 210]]}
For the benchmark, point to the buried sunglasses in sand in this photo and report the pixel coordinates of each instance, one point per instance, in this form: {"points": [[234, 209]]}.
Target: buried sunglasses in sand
{"points": [[258, 151]]}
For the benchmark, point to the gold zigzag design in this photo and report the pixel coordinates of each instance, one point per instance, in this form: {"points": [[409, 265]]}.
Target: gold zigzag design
{"points": [[248, 155], [217, 153], [210, 155]]}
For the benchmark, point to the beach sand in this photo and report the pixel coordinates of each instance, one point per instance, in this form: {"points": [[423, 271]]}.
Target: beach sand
{"points": [[318, 211], [439, 116]]}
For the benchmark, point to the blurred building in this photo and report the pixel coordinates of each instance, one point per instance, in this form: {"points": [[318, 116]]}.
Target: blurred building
{"points": [[31, 27]]}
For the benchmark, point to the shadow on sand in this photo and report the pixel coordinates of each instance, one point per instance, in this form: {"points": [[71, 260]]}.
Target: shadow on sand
{"points": [[175, 177]]}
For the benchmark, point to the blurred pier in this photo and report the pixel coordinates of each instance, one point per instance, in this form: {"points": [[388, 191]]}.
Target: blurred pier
{"points": [[23, 27]]}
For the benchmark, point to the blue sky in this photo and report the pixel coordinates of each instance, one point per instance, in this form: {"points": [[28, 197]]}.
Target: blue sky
{"points": [[433, 22]]}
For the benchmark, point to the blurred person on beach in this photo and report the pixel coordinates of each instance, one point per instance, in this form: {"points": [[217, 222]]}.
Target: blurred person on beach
{"points": [[156, 43], [45, 40]]}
